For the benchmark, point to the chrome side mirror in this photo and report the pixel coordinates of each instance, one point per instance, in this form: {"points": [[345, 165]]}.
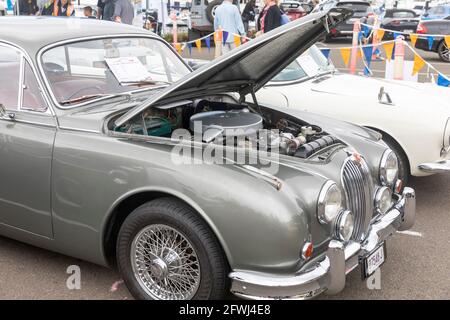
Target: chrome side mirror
{"points": [[384, 98]]}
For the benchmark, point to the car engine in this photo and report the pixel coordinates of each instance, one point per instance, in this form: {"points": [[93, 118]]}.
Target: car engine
{"points": [[220, 121]]}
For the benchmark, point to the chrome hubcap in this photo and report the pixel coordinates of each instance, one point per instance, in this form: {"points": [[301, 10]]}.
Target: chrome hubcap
{"points": [[165, 263], [159, 269]]}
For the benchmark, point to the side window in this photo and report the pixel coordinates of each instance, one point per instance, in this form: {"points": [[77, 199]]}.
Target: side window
{"points": [[32, 97], [9, 77]]}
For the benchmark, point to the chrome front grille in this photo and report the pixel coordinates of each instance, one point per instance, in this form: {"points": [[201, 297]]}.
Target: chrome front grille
{"points": [[357, 184]]}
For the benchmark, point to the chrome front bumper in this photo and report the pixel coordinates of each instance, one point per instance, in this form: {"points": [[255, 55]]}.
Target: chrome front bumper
{"points": [[435, 167], [329, 274]]}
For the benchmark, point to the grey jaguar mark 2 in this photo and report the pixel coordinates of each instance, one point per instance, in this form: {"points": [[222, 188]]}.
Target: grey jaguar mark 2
{"points": [[87, 169]]}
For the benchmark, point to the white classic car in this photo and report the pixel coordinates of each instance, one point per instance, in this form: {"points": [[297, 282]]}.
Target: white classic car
{"points": [[414, 118]]}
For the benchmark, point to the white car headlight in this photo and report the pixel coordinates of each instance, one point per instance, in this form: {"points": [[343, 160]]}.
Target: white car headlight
{"points": [[388, 168], [383, 199], [330, 202], [345, 225]]}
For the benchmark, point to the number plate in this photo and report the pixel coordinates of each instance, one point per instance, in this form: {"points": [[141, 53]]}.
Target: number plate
{"points": [[374, 260], [409, 31]]}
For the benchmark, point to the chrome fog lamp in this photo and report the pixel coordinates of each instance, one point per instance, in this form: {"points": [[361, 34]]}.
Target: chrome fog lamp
{"points": [[345, 225], [388, 168], [330, 202], [383, 199]]}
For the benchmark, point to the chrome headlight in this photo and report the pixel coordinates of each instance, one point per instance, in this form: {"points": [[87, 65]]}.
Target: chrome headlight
{"points": [[388, 168], [383, 199], [330, 202], [345, 225]]}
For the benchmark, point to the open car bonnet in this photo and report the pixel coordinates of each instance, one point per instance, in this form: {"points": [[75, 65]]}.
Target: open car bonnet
{"points": [[250, 66]]}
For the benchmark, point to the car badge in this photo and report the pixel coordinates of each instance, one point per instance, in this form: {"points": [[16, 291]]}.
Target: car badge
{"points": [[356, 157]]}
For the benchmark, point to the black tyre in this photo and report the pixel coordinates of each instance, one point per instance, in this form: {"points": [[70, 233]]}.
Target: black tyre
{"points": [[403, 163], [165, 251], [211, 8], [443, 51]]}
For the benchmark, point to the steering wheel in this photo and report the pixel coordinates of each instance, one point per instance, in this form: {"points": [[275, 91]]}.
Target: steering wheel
{"points": [[77, 93]]}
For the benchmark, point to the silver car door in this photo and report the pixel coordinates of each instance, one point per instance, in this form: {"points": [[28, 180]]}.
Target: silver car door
{"points": [[27, 132]]}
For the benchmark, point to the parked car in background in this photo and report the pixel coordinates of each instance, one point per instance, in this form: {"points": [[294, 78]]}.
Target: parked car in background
{"points": [[362, 10], [293, 9], [401, 20], [154, 15], [202, 16], [435, 27], [403, 112], [436, 12], [420, 7], [106, 168]]}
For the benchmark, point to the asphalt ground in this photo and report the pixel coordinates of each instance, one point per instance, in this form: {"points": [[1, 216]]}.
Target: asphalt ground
{"points": [[417, 265]]}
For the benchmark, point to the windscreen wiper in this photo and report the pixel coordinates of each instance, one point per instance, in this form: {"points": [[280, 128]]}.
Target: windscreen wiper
{"points": [[94, 96], [144, 82], [84, 98]]}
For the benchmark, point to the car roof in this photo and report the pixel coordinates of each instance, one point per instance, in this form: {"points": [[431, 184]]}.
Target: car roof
{"points": [[34, 33]]}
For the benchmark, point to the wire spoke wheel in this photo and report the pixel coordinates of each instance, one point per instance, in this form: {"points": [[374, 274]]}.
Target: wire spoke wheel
{"points": [[165, 263], [444, 51]]}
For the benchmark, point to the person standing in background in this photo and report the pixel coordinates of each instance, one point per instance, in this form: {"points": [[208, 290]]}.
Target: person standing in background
{"points": [[249, 13], [58, 8], [47, 8], [228, 19], [107, 11], [87, 11], [3, 7], [123, 12], [28, 7], [40, 4], [64, 8], [100, 8], [270, 17]]}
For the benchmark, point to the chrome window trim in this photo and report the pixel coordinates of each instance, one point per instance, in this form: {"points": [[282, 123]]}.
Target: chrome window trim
{"points": [[88, 38], [21, 85], [27, 58], [31, 122], [79, 130]]}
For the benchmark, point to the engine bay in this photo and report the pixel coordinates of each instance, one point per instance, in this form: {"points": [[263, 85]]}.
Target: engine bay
{"points": [[221, 119]]}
